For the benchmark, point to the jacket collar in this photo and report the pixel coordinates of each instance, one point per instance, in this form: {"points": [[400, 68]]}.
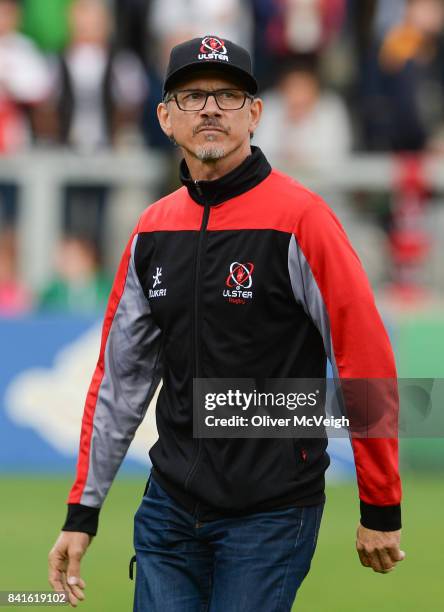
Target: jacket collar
{"points": [[254, 169]]}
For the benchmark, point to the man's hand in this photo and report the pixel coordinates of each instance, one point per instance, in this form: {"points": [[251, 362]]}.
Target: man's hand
{"points": [[379, 549], [64, 564]]}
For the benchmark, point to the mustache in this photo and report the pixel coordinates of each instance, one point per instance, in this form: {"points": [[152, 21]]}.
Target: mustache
{"points": [[214, 123]]}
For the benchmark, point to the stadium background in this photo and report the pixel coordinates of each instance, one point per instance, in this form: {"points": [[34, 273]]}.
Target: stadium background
{"points": [[353, 93]]}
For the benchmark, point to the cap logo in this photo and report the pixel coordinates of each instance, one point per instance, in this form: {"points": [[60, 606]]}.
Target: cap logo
{"points": [[213, 49]]}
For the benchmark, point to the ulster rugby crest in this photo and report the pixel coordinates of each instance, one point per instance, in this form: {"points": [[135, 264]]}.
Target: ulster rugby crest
{"points": [[238, 282], [213, 48]]}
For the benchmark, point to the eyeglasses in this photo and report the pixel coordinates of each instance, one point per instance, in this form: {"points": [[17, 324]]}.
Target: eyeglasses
{"points": [[196, 99]]}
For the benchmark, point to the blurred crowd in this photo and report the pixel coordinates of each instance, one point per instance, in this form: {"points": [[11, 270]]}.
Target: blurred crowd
{"points": [[336, 76], [79, 286], [83, 72]]}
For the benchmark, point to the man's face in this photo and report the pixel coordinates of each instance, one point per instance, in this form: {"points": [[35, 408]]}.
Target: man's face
{"points": [[211, 133], [9, 17], [90, 22], [427, 15], [300, 93]]}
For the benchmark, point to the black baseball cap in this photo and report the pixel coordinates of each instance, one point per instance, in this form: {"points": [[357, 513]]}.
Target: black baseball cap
{"points": [[198, 54]]}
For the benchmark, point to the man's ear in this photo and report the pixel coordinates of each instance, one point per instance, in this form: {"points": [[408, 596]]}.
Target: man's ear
{"points": [[163, 116], [256, 107]]}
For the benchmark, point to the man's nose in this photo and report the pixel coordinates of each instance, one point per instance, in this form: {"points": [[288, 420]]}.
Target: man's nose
{"points": [[211, 107]]}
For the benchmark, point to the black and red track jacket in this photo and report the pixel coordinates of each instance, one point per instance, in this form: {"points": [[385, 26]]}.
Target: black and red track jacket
{"points": [[171, 317]]}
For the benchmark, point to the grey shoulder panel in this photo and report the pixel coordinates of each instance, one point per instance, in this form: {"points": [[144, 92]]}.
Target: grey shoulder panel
{"points": [[307, 293]]}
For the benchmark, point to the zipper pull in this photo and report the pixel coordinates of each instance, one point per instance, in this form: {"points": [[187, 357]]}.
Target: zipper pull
{"points": [[198, 188], [303, 454]]}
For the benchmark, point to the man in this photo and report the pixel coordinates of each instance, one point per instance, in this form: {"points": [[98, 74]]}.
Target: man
{"points": [[303, 123], [24, 84], [24, 79], [227, 524]]}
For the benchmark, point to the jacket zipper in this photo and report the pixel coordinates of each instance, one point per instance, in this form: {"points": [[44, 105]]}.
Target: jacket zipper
{"points": [[196, 317]]}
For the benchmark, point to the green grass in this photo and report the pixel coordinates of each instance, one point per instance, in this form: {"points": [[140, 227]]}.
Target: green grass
{"points": [[338, 583], [32, 512]]}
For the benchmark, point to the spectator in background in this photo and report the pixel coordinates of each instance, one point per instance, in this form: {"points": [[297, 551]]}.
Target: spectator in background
{"points": [[97, 98], [134, 32], [15, 299], [24, 79], [308, 25], [303, 125], [288, 27], [403, 82], [265, 12], [97, 89], [79, 285], [131, 18], [24, 82], [174, 21]]}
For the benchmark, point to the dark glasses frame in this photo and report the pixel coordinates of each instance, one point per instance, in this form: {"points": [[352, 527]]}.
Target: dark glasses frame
{"points": [[173, 96]]}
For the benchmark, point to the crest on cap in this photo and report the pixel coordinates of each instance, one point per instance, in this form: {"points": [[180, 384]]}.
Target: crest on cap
{"points": [[212, 48]]}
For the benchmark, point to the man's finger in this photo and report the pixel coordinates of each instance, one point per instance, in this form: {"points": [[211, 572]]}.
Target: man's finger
{"points": [[374, 561], [55, 580], [80, 582], [363, 557], [57, 565], [72, 598], [385, 561], [75, 585], [74, 580]]}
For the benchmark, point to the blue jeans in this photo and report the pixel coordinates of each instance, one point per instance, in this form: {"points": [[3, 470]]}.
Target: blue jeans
{"points": [[253, 563]]}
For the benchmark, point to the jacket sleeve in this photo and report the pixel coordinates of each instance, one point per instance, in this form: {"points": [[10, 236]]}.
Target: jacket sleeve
{"points": [[127, 374], [330, 283]]}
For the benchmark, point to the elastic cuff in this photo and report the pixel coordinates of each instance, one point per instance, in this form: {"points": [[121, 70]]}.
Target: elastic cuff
{"points": [[380, 518], [82, 518]]}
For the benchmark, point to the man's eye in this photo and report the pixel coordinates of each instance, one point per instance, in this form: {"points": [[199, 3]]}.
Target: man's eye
{"points": [[194, 95], [228, 95]]}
